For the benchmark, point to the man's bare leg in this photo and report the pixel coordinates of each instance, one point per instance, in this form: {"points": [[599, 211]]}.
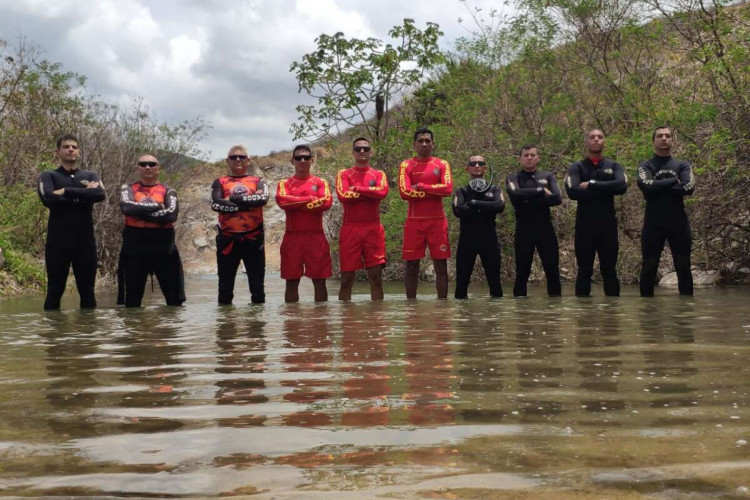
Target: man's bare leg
{"points": [[291, 294], [347, 282], [321, 292], [410, 278], [375, 277], [441, 277]]}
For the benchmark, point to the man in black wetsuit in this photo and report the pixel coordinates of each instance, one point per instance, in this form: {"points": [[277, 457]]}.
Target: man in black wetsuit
{"points": [[532, 193], [476, 206], [665, 181], [594, 182], [148, 240], [70, 194]]}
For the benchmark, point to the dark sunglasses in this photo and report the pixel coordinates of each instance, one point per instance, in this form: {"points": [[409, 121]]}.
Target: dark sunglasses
{"points": [[360, 149], [237, 157], [475, 163], [148, 164], [302, 158]]}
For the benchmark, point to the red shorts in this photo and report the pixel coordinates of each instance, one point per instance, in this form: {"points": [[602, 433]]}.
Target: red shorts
{"points": [[361, 246], [305, 254], [419, 233]]}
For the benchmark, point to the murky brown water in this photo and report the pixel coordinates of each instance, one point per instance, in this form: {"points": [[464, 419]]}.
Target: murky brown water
{"points": [[538, 398]]}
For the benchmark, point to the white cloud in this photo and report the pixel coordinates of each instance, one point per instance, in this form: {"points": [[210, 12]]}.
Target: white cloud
{"points": [[226, 61]]}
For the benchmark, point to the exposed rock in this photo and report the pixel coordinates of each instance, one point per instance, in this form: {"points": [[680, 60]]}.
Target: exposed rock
{"points": [[700, 279], [200, 243]]}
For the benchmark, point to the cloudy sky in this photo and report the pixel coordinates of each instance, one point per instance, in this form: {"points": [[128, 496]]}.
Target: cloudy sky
{"points": [[225, 60]]}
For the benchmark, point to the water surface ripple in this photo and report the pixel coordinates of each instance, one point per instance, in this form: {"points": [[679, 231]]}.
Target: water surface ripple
{"points": [[572, 398]]}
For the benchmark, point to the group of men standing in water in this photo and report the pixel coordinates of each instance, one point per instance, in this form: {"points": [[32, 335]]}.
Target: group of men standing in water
{"points": [[150, 209]]}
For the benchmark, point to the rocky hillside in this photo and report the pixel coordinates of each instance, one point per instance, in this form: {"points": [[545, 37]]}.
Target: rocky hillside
{"points": [[196, 230]]}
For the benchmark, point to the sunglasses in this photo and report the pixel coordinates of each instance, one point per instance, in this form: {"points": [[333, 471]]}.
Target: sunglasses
{"points": [[475, 163], [302, 158], [237, 157], [362, 149], [145, 164]]}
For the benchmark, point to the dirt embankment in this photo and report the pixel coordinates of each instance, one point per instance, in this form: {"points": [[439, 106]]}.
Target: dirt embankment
{"points": [[196, 228]]}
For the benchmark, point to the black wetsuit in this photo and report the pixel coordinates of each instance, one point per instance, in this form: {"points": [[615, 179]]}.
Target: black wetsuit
{"points": [[148, 244], [534, 228], [664, 182], [596, 223], [478, 236], [70, 233]]}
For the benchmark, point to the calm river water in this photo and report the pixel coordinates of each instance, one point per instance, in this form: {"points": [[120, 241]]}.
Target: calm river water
{"points": [[534, 398]]}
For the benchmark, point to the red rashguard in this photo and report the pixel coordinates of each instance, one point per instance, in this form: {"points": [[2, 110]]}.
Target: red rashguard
{"points": [[423, 183], [360, 190], [304, 201]]}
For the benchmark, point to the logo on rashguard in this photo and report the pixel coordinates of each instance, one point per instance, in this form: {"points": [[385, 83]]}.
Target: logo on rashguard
{"points": [[607, 171], [372, 182], [238, 190], [436, 171], [314, 188], [543, 182], [443, 248], [147, 199]]}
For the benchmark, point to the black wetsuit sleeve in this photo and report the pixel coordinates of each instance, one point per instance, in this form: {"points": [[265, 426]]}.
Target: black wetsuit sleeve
{"points": [[554, 199], [616, 186], [129, 206], [517, 193], [686, 185], [170, 210], [219, 204], [648, 184], [573, 182], [495, 206], [257, 199], [84, 194], [460, 209], [46, 188]]}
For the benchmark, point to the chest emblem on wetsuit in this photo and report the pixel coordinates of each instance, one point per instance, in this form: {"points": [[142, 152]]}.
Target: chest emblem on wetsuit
{"points": [[314, 188], [607, 171], [238, 191], [543, 182], [145, 198], [436, 171], [488, 194], [372, 182], [85, 182]]}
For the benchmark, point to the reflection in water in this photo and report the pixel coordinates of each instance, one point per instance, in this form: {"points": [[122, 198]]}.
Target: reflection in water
{"points": [[242, 350], [599, 352], [72, 345], [570, 398], [309, 351], [364, 353], [429, 365], [667, 363]]}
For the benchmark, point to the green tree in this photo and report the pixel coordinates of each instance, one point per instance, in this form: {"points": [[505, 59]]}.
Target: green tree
{"points": [[355, 81]]}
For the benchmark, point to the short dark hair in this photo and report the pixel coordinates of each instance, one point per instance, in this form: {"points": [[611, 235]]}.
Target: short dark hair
{"points": [[355, 141], [423, 130], [304, 147], [653, 134], [66, 137], [526, 147]]}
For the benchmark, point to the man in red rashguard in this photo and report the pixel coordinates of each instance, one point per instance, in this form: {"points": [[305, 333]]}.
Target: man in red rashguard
{"points": [[304, 249], [424, 181], [362, 237]]}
